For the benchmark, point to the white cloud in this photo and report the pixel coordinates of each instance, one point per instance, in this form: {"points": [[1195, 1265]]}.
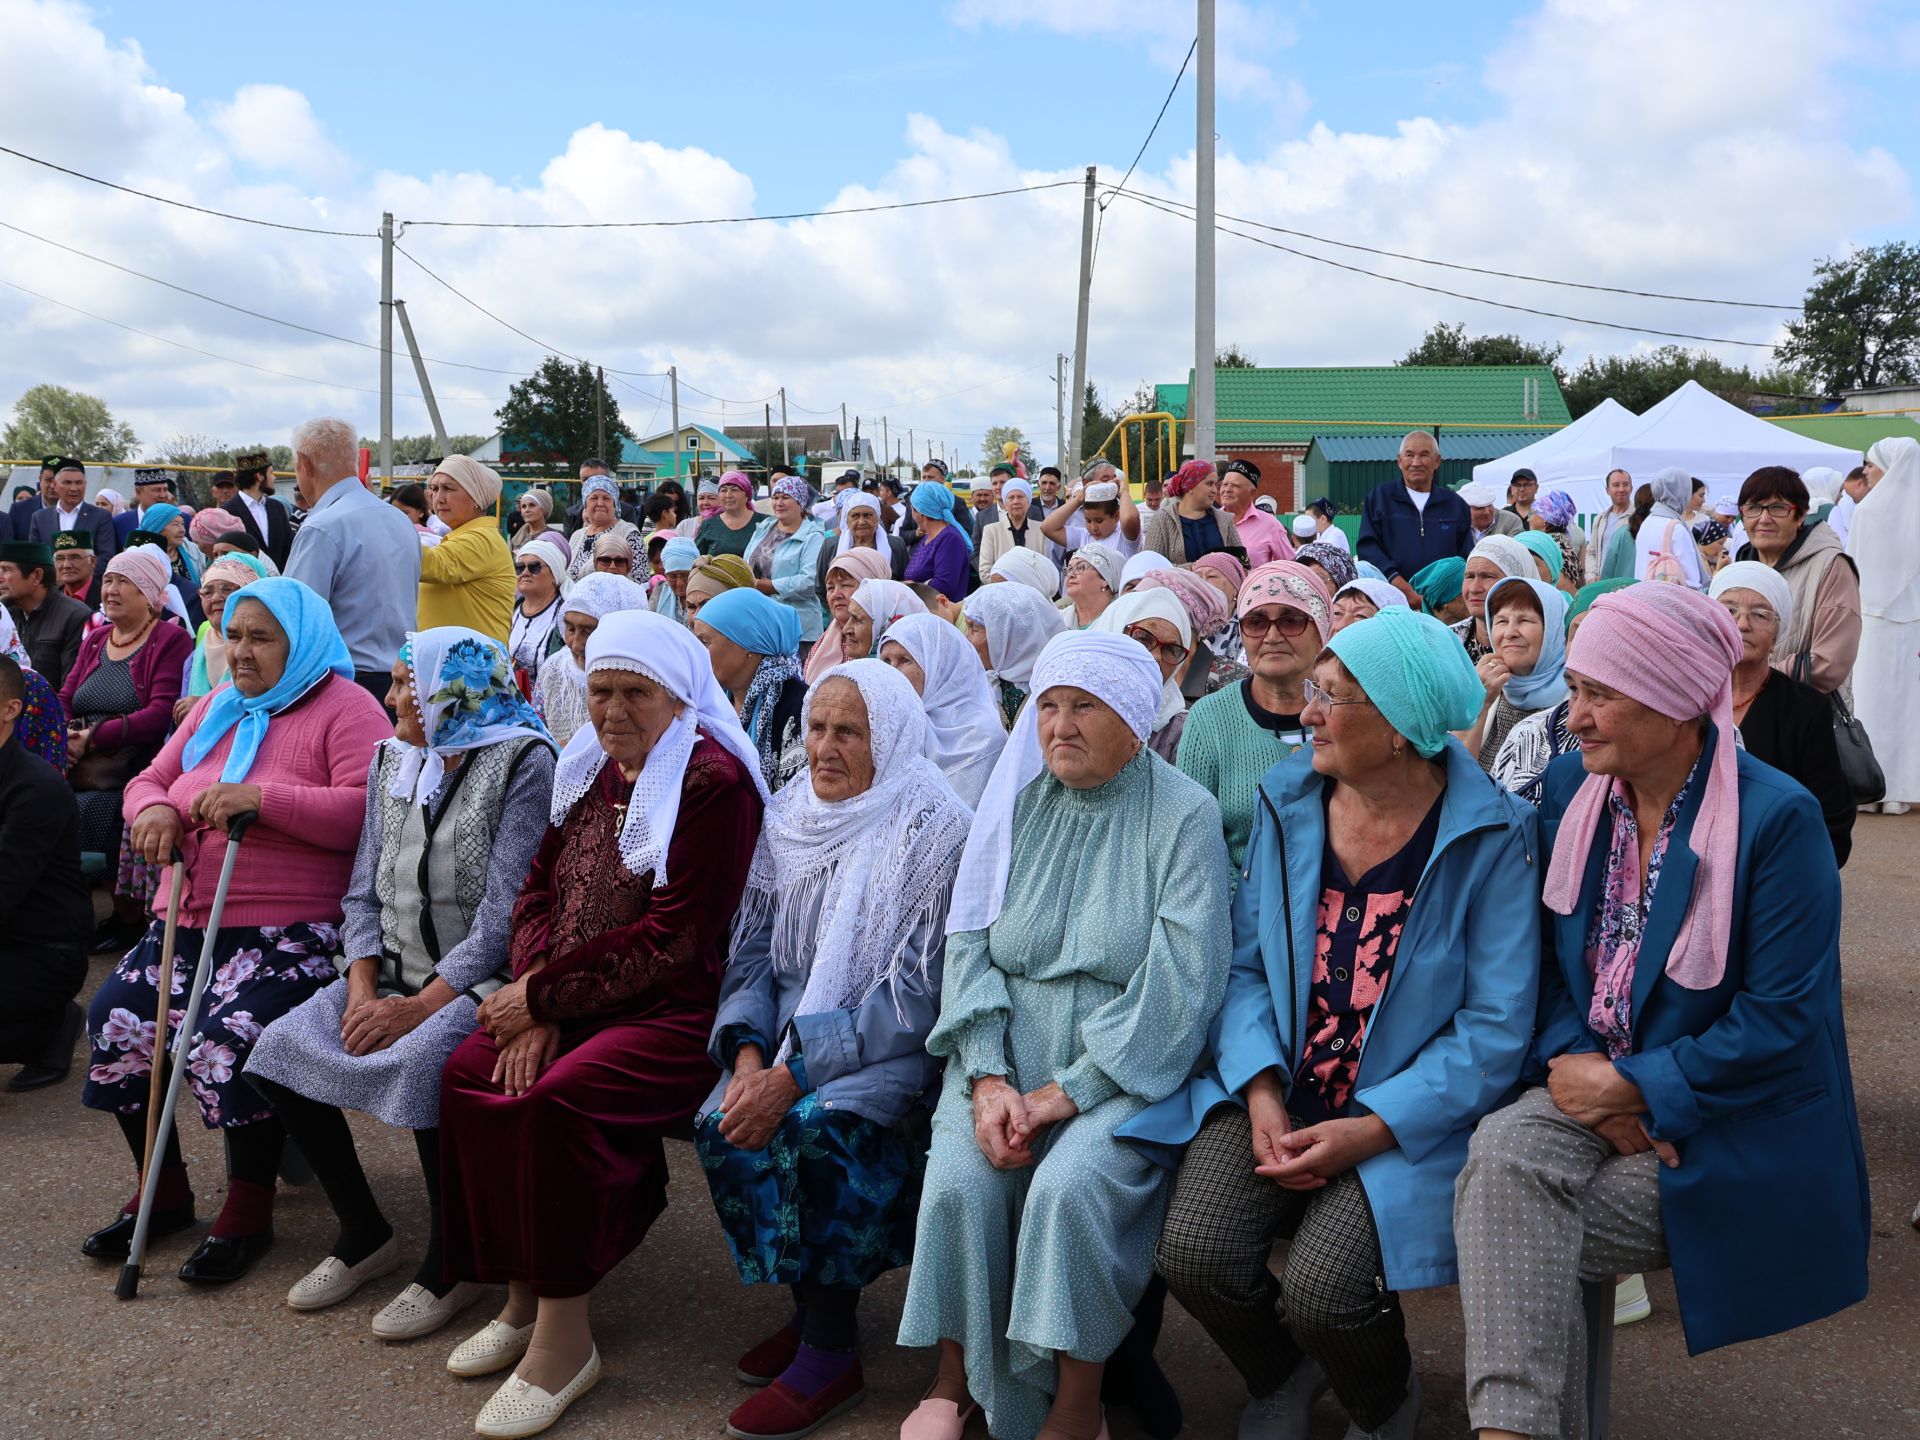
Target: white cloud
{"points": [[274, 129], [1608, 159]]}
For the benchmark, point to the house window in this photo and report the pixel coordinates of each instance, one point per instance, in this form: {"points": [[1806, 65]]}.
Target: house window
{"points": [[693, 442]]}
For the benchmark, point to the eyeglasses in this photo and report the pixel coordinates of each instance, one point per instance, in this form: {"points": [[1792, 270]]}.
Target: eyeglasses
{"points": [[1757, 614], [1256, 623], [1171, 654], [610, 563], [531, 567], [1778, 509], [1316, 696]]}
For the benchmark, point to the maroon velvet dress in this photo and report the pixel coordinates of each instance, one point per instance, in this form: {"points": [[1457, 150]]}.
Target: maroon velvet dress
{"points": [[556, 1186]]}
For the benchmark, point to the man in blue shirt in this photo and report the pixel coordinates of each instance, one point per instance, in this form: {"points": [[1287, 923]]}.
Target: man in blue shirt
{"points": [[1406, 526]]}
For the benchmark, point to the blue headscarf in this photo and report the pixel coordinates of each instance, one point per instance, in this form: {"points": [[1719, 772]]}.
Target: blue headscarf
{"points": [[1547, 548], [1546, 684], [755, 622], [1416, 673], [314, 651], [935, 501], [157, 518], [1367, 570]]}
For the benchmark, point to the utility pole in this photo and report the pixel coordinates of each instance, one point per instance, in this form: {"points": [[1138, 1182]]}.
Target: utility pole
{"points": [[1200, 414], [1060, 410], [911, 451], [845, 453], [386, 346], [600, 414], [1077, 416], [886, 446], [786, 446], [673, 384], [420, 371], [766, 435]]}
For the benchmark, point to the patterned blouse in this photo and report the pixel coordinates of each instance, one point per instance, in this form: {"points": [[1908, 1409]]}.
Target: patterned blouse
{"points": [[1613, 937], [1530, 747]]}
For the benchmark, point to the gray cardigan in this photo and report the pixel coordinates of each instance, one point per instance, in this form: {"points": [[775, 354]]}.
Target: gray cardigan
{"points": [[1161, 532]]}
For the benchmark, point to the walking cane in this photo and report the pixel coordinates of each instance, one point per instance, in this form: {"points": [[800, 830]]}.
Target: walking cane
{"points": [[162, 1124]]}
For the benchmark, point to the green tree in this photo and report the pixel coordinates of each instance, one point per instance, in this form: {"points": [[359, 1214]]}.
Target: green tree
{"points": [[1640, 381], [1232, 357], [418, 449], [51, 419], [1448, 344], [993, 447], [549, 417], [1860, 321]]}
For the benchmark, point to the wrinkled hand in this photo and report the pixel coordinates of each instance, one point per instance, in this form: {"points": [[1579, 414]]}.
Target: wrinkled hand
{"points": [[1048, 1105], [156, 831], [1589, 1089], [997, 1109], [1494, 674], [220, 802], [1628, 1134], [1319, 1153], [184, 707], [755, 1104], [377, 1023], [1413, 596], [524, 1057], [78, 743], [504, 1014], [1267, 1116]]}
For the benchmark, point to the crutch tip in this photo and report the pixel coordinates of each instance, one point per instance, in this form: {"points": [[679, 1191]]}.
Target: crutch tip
{"points": [[128, 1285]]}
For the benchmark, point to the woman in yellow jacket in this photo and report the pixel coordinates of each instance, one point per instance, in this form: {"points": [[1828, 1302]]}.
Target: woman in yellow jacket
{"points": [[467, 579]]}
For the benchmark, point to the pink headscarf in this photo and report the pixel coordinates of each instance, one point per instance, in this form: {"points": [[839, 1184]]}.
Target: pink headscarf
{"points": [[1223, 565], [737, 480], [1289, 583], [146, 566], [1205, 606], [1673, 650], [1188, 476], [210, 524], [864, 564]]}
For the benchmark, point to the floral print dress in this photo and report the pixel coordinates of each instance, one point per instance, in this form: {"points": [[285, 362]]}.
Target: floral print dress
{"points": [[260, 972]]}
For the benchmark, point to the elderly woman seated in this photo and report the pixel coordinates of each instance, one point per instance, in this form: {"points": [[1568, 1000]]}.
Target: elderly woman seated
{"points": [[965, 733], [1537, 740], [815, 1138], [1060, 1023], [1362, 598], [598, 1047], [288, 737], [1525, 672], [560, 694], [1009, 626], [456, 803], [1159, 623], [1424, 945], [1692, 1097], [753, 645]]}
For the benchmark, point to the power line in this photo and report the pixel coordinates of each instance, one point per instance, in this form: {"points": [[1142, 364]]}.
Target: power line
{"points": [[1101, 223], [1451, 265], [181, 204], [196, 350], [736, 219], [1455, 294]]}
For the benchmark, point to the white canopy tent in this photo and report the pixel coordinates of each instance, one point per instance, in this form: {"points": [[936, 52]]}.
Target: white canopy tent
{"points": [[1692, 430], [1598, 427]]}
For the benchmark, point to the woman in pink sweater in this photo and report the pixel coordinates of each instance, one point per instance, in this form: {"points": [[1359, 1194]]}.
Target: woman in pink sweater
{"points": [[290, 735]]}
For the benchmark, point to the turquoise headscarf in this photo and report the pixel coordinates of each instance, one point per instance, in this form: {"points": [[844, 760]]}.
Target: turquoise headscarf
{"points": [[755, 622], [1584, 597], [1440, 583], [314, 651], [1546, 684], [157, 518], [935, 501], [1416, 672], [1547, 548]]}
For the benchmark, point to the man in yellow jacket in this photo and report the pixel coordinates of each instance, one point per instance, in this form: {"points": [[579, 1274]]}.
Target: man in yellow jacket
{"points": [[467, 579]]}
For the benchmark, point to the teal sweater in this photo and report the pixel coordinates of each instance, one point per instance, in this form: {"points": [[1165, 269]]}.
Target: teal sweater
{"points": [[1228, 751]]}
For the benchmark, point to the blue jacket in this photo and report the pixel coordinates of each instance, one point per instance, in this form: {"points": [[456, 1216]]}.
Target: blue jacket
{"points": [[796, 566], [1766, 1216], [1448, 1038], [1401, 540]]}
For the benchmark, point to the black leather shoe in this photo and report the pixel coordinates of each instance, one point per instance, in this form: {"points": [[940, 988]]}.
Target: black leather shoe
{"points": [[116, 1240], [115, 936], [57, 1059], [221, 1262]]}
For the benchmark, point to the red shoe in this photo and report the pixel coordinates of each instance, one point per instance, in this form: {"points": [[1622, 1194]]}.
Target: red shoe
{"points": [[768, 1361], [782, 1413]]}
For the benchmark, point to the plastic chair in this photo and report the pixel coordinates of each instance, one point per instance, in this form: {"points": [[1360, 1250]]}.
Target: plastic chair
{"points": [[1596, 1305]]}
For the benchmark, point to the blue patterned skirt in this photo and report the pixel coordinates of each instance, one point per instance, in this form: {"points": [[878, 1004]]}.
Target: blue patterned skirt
{"points": [[260, 972], [830, 1201]]}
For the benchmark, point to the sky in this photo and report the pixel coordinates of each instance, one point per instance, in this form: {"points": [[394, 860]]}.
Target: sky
{"points": [[1709, 149]]}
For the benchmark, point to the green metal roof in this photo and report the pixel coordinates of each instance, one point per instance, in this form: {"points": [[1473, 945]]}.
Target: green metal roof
{"points": [[1172, 399], [1454, 445], [1855, 432], [1281, 406]]}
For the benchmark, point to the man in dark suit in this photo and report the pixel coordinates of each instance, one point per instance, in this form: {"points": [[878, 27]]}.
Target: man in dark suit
{"points": [[20, 517], [150, 488], [51, 625], [70, 511], [264, 518]]}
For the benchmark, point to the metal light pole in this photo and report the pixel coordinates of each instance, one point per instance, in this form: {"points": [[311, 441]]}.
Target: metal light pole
{"points": [[673, 384], [1078, 413], [386, 346], [420, 370], [1060, 409], [1200, 414], [786, 448]]}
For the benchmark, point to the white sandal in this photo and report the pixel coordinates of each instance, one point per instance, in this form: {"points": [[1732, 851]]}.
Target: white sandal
{"points": [[333, 1280], [493, 1347], [417, 1311], [518, 1408]]}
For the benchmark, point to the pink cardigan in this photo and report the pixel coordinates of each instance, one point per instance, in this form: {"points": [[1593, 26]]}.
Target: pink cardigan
{"points": [[312, 773]]}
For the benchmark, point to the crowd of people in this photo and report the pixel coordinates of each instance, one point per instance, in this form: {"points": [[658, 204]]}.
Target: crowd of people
{"points": [[1061, 895]]}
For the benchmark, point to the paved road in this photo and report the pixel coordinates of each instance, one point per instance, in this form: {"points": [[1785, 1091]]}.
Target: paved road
{"points": [[76, 1362]]}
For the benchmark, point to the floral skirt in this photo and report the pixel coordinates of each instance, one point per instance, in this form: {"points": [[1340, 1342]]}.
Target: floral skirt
{"points": [[135, 879], [260, 973], [831, 1200]]}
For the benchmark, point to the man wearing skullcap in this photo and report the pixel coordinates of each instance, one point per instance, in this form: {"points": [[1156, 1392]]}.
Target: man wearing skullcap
{"points": [[51, 624], [1488, 518], [984, 508], [467, 579], [1265, 537], [75, 567], [1325, 532], [70, 511], [265, 518], [1099, 508]]}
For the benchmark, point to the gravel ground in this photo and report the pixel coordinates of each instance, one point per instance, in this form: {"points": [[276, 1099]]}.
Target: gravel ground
{"points": [[77, 1362]]}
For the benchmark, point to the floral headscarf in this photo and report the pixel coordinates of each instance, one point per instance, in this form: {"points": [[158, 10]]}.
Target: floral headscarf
{"points": [[1188, 476], [463, 683], [794, 488], [1286, 582], [1331, 558]]}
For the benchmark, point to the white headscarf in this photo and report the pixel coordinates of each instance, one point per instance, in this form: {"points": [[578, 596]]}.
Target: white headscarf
{"points": [[853, 879], [598, 594], [885, 601], [1514, 559], [665, 652], [1021, 566], [850, 501], [463, 684], [1883, 536], [1141, 564], [1763, 580], [552, 554], [1104, 559], [1156, 604], [1019, 623], [1383, 595], [964, 730], [1823, 483], [10, 642], [1672, 489], [1112, 668]]}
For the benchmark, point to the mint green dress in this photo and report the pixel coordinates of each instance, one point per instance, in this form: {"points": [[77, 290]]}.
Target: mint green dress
{"points": [[1103, 972]]}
